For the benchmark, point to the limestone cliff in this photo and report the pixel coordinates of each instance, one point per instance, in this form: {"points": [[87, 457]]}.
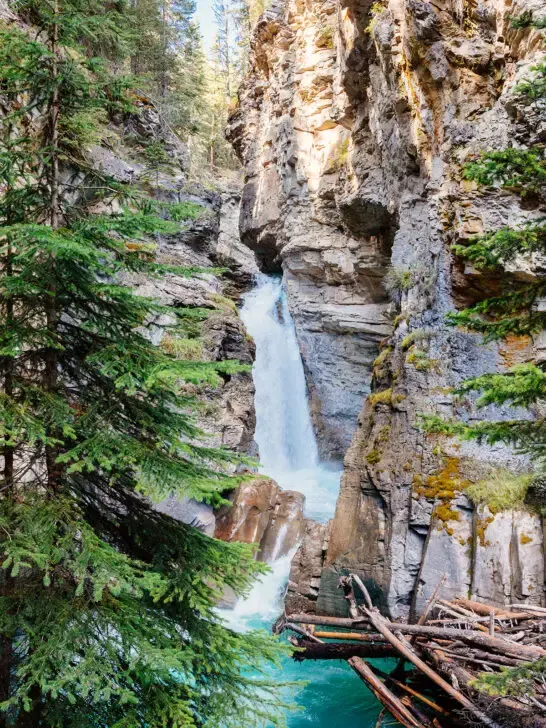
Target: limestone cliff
{"points": [[352, 125]]}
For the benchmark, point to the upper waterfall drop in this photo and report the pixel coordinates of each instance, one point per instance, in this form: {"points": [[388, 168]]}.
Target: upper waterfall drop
{"points": [[284, 432]]}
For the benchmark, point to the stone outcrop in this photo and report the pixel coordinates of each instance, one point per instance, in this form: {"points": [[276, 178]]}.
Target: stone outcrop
{"points": [[306, 568], [264, 514], [352, 126]]}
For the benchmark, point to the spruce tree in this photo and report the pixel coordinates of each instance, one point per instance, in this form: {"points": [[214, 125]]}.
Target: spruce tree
{"points": [[107, 607]]}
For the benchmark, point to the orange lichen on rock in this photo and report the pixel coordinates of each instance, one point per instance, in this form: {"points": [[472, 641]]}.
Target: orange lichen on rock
{"points": [[515, 349], [481, 528], [443, 485]]}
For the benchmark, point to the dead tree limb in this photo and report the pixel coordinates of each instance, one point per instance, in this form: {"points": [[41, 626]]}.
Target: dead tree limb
{"points": [[471, 637], [336, 651], [405, 649]]}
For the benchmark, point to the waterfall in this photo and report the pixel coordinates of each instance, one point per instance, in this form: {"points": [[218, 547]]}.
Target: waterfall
{"points": [[283, 426], [288, 450], [284, 432]]}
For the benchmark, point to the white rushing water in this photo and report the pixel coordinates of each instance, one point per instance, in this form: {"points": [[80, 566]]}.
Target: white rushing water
{"points": [[334, 697], [284, 433]]}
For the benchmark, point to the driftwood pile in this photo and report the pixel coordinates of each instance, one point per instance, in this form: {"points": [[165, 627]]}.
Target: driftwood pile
{"points": [[451, 644]]}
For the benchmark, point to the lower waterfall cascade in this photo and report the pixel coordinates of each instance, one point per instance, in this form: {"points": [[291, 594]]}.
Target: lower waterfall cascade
{"points": [[334, 695]]}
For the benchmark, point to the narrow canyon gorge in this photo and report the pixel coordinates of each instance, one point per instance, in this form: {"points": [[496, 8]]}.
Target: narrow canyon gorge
{"points": [[352, 125]]}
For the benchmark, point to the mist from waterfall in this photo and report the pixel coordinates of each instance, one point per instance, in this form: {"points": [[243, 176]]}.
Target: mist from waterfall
{"points": [[284, 432]]}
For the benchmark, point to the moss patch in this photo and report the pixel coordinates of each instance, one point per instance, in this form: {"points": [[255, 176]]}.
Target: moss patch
{"points": [[414, 336], [419, 359], [385, 396], [381, 362], [181, 348], [373, 457], [501, 491], [224, 303]]}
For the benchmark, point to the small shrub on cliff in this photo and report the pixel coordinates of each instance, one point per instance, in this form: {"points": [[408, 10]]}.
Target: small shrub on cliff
{"points": [[398, 279], [501, 491], [526, 20], [376, 10]]}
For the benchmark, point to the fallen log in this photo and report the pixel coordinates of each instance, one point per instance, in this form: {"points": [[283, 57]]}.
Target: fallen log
{"points": [[380, 690], [471, 637], [363, 670], [335, 651], [481, 654], [527, 610], [460, 612], [453, 671], [406, 650], [383, 694], [366, 637], [410, 691]]}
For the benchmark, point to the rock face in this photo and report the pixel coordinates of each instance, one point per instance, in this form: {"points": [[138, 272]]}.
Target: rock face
{"points": [[352, 126], [306, 570], [263, 514]]}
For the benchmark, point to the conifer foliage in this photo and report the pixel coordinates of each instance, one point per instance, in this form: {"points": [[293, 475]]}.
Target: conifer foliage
{"points": [[520, 310], [107, 611]]}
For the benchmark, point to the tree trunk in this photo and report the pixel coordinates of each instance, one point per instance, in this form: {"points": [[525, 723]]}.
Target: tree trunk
{"points": [[51, 356], [6, 661], [336, 651]]}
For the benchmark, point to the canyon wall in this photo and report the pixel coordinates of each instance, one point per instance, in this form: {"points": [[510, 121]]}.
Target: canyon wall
{"points": [[352, 126]]}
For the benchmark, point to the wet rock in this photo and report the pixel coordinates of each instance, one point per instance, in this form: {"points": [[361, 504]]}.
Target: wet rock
{"points": [[187, 510], [263, 514], [306, 569]]}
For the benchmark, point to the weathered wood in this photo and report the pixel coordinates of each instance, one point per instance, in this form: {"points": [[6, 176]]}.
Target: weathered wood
{"points": [[366, 637], [452, 670], [336, 651], [405, 649], [383, 694], [471, 637], [528, 607], [459, 611], [499, 612], [341, 622], [410, 691], [482, 655], [381, 691], [430, 604]]}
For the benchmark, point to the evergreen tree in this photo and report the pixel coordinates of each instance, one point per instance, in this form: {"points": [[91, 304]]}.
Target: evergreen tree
{"points": [[223, 45], [106, 607], [516, 312]]}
